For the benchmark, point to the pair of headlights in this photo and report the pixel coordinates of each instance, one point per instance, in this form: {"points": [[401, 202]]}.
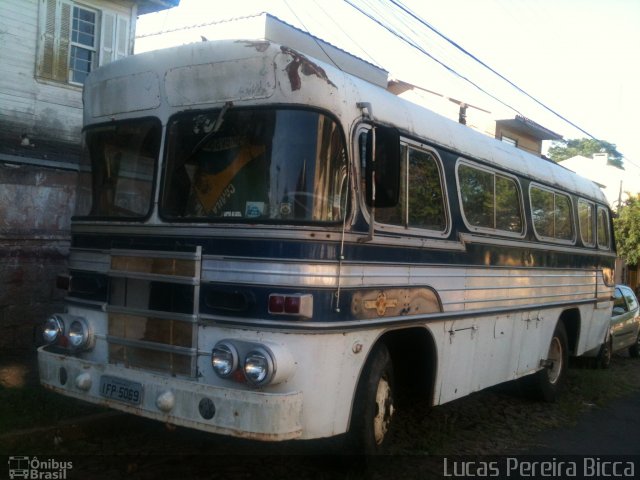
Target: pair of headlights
{"points": [[68, 332], [258, 363]]}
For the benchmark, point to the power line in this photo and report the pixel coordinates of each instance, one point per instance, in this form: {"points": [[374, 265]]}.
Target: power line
{"points": [[470, 55], [476, 59], [373, 60], [424, 52]]}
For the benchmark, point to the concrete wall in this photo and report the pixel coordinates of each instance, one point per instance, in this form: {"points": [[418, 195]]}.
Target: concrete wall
{"points": [[36, 204]]}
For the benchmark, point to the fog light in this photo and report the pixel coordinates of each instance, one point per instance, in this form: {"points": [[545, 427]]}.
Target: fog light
{"points": [[83, 381], [258, 367], [79, 335], [224, 359], [53, 328], [166, 401]]}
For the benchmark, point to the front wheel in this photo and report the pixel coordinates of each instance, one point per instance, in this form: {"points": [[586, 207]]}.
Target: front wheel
{"points": [[547, 382], [374, 404]]}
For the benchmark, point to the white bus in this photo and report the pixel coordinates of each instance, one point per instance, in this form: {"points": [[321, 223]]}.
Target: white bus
{"points": [[268, 247]]}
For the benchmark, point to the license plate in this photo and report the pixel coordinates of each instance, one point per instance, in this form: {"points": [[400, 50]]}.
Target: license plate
{"points": [[120, 389]]}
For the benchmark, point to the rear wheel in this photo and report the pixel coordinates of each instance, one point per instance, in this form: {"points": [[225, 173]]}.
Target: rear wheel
{"points": [[374, 404], [547, 382], [603, 360]]}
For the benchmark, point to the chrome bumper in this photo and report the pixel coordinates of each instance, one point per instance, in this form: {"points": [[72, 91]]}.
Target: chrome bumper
{"points": [[238, 413]]}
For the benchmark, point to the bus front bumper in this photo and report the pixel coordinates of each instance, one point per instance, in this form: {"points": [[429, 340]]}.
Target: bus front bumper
{"points": [[239, 413]]}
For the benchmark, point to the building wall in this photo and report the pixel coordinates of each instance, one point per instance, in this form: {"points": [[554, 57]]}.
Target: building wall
{"points": [[36, 108], [529, 144], [35, 209], [37, 174]]}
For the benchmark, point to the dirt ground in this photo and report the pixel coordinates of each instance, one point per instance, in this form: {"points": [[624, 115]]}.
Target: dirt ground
{"points": [[103, 444]]}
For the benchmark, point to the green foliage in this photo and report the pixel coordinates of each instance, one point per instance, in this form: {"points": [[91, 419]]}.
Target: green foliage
{"points": [[586, 147], [627, 230]]}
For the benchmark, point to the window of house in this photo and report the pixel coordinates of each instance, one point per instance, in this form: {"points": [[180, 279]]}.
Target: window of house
{"points": [[490, 200], [83, 44], [552, 214], [75, 39], [509, 140]]}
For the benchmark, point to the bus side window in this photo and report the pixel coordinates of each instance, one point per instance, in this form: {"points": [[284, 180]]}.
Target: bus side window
{"points": [[384, 160], [603, 229], [552, 214], [586, 217]]}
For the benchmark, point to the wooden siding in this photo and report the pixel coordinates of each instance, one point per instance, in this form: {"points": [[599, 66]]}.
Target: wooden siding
{"points": [[31, 105], [525, 142]]}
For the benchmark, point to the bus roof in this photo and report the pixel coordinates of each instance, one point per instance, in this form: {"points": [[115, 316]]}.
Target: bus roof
{"points": [[191, 76]]}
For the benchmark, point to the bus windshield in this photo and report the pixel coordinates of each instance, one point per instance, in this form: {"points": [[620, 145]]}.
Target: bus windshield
{"points": [[117, 169], [278, 165]]}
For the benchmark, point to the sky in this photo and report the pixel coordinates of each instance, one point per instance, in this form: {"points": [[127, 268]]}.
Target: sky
{"points": [[578, 58]]}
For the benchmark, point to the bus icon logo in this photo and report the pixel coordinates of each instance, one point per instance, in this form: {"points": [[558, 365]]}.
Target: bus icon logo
{"points": [[18, 467]]}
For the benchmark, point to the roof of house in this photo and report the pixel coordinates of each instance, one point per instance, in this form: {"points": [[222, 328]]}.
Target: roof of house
{"points": [[528, 127], [151, 6]]}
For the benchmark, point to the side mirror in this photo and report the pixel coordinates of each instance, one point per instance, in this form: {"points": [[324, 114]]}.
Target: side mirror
{"points": [[382, 167], [618, 311]]}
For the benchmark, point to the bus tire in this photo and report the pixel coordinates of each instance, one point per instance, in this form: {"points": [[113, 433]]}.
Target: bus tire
{"points": [[548, 382], [603, 360], [374, 404]]}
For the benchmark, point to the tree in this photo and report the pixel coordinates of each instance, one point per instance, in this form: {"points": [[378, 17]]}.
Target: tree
{"points": [[627, 230], [586, 147]]}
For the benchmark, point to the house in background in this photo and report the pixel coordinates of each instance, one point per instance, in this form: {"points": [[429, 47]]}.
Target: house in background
{"points": [[48, 48], [524, 134], [520, 131]]}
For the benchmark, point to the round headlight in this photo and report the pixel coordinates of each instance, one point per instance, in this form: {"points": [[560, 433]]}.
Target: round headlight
{"points": [[53, 328], [224, 359], [258, 367], [78, 335]]}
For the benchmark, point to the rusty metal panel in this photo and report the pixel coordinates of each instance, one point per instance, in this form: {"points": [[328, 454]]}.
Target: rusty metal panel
{"points": [[118, 95], [234, 80], [392, 302], [151, 265]]}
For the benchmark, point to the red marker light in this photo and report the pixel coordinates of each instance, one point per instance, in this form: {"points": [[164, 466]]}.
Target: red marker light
{"points": [[276, 303], [292, 305], [298, 304]]}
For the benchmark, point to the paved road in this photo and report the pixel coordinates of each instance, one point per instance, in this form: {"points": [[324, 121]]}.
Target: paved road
{"points": [[613, 430]]}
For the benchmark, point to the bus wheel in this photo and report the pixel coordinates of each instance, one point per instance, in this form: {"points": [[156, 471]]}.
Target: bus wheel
{"points": [[374, 404], [603, 360], [548, 381]]}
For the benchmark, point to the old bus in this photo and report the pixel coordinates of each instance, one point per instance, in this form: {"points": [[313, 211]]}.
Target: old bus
{"points": [[268, 247]]}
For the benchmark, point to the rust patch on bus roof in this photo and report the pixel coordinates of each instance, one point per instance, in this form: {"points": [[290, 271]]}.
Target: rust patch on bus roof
{"points": [[300, 63], [260, 46]]}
